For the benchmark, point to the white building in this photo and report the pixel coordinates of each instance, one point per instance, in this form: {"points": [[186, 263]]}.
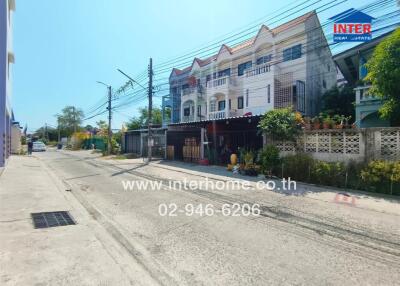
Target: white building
{"points": [[290, 65], [6, 60]]}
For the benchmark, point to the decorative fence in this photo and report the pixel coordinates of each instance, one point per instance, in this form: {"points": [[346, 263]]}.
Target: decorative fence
{"points": [[347, 144]]}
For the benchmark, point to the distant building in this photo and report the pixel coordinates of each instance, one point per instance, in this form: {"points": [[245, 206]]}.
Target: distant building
{"points": [[6, 60], [352, 65], [16, 135], [290, 65]]}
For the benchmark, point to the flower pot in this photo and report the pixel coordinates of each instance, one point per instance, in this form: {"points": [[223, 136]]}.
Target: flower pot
{"points": [[317, 126], [307, 126], [326, 125], [339, 126]]}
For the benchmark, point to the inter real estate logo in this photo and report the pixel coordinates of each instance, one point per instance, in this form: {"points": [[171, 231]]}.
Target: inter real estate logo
{"points": [[352, 26]]}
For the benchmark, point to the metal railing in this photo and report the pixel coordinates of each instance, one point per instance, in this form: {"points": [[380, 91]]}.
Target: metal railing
{"points": [[258, 70]]}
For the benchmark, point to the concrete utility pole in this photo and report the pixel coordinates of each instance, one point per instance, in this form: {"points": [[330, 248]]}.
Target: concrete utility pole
{"points": [[109, 116], [149, 120], [109, 121]]}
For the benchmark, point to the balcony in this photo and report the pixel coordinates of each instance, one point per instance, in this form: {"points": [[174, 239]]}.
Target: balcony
{"points": [[258, 70], [363, 96], [216, 115], [192, 92], [220, 84], [221, 114], [188, 118]]}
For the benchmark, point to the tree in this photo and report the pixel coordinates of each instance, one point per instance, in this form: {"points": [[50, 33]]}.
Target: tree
{"points": [[141, 120], [70, 119], [102, 127], [339, 101], [384, 74], [279, 123], [46, 133], [89, 128]]}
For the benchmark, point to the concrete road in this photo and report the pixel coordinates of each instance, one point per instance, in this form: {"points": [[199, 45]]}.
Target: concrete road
{"points": [[296, 240]]}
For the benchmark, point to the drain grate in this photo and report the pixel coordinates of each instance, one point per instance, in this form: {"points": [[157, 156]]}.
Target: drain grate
{"points": [[52, 219]]}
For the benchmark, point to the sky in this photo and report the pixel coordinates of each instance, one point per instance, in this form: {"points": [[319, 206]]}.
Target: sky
{"points": [[63, 47]]}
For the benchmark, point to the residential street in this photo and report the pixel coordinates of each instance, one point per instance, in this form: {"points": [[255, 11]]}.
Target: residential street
{"points": [[303, 238]]}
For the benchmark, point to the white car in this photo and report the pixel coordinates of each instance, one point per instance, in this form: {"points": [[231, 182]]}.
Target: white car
{"points": [[38, 146]]}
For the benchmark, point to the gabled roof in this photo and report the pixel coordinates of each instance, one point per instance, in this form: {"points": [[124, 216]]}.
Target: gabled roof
{"points": [[247, 43]]}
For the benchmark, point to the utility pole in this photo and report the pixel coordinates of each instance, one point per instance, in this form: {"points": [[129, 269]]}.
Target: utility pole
{"points": [[109, 121], [109, 116], [149, 120]]}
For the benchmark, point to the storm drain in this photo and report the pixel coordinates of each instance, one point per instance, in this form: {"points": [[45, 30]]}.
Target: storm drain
{"points": [[52, 219]]}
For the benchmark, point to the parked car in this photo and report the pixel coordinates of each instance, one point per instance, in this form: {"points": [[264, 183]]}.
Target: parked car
{"points": [[38, 146]]}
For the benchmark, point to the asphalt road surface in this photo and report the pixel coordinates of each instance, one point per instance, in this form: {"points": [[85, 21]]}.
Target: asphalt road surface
{"points": [[295, 240]]}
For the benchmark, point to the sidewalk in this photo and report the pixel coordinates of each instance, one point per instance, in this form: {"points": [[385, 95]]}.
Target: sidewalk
{"points": [[81, 254]]}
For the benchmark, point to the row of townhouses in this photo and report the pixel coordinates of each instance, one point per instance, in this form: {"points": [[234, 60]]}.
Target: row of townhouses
{"points": [[290, 65], [217, 102]]}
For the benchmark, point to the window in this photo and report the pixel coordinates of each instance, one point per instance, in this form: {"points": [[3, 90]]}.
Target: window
{"points": [[230, 104], [208, 77], [186, 111], [264, 59], [292, 53], [247, 98], [199, 110], [242, 67], [269, 93], [240, 102], [224, 73], [324, 83], [221, 105], [212, 106]]}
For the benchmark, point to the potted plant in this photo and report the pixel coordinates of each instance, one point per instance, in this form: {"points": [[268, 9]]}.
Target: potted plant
{"points": [[248, 158], [316, 123], [327, 122], [347, 121], [307, 123], [338, 119]]}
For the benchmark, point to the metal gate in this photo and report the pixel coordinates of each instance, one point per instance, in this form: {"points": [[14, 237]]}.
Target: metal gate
{"points": [[136, 141]]}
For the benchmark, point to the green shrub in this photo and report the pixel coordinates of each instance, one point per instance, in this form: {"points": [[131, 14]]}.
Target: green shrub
{"points": [[297, 167], [280, 124], [269, 159], [382, 176], [328, 173]]}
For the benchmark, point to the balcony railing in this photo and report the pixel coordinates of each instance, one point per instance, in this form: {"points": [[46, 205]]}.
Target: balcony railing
{"points": [[258, 70], [216, 114], [218, 82]]}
